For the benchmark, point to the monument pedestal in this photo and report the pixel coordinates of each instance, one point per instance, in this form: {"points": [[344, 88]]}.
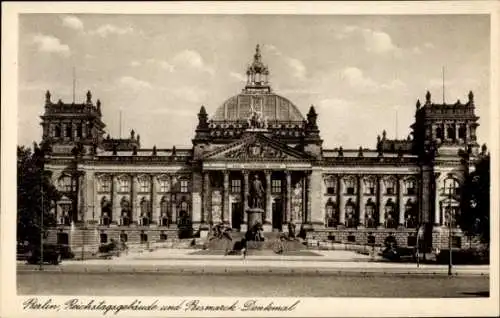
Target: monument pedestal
{"points": [[254, 215]]}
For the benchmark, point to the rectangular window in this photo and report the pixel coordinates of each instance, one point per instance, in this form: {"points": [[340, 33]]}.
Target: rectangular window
{"points": [[412, 241], [390, 190], [164, 186], [276, 186], [351, 238], [371, 190], [184, 186], [350, 190], [104, 238], [124, 185], [105, 185], [144, 185], [456, 242], [236, 186], [330, 186]]}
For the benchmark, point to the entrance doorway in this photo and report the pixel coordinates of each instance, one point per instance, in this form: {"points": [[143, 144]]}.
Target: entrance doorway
{"points": [[277, 208], [236, 215]]}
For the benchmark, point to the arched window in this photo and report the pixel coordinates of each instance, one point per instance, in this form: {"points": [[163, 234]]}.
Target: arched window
{"points": [[145, 212], [123, 237], [104, 238], [165, 216], [106, 216], [184, 213], [350, 214], [79, 130], [439, 133], [331, 214], [144, 238], [450, 132], [57, 131], [69, 131], [126, 216], [370, 214], [410, 214], [462, 131], [391, 220]]}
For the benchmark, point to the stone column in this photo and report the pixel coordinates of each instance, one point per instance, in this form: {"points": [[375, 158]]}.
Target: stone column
{"points": [[225, 204], [196, 199], [246, 193], [288, 196], [268, 215], [90, 201], [115, 201], [341, 205], [206, 197], [134, 201], [380, 192], [456, 130], [308, 198], [155, 213], [401, 201], [361, 205], [437, 198]]}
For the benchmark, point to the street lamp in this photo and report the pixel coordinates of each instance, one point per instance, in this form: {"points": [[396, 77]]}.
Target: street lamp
{"points": [[450, 264]]}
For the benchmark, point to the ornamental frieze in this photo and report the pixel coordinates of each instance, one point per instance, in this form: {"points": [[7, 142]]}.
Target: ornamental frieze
{"points": [[256, 151]]}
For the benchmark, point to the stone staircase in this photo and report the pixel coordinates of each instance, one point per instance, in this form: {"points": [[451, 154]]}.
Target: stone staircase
{"points": [[269, 243]]}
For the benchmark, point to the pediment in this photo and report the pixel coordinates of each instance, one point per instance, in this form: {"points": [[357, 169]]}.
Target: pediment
{"points": [[256, 147]]}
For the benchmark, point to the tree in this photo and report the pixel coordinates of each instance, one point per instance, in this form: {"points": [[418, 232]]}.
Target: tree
{"points": [[31, 180], [475, 219]]}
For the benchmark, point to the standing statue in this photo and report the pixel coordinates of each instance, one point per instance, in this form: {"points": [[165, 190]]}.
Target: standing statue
{"points": [[257, 194]]}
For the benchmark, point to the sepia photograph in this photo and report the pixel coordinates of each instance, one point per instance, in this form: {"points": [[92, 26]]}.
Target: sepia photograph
{"points": [[251, 156]]}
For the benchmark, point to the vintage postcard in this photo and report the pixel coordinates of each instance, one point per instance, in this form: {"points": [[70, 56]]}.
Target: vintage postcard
{"points": [[250, 159]]}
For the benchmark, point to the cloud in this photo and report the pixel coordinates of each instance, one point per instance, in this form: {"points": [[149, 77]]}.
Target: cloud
{"points": [[135, 63], [374, 41], [51, 44], [190, 59], [429, 45], [108, 29], [357, 79], [134, 83], [238, 76], [297, 67], [72, 22]]}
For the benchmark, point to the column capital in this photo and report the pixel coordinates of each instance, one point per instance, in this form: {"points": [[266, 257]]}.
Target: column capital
{"points": [[245, 172], [268, 172]]}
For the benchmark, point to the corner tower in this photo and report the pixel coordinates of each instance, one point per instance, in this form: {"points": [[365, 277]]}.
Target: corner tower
{"points": [[66, 126]]}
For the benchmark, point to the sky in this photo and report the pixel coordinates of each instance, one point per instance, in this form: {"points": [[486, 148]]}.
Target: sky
{"points": [[363, 74]]}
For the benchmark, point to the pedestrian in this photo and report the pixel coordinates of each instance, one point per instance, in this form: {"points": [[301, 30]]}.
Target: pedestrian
{"points": [[244, 248]]}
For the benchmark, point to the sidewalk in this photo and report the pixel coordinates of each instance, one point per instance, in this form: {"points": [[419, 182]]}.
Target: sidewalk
{"points": [[331, 262]]}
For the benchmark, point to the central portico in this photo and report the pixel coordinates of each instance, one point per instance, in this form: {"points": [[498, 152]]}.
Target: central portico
{"points": [[282, 172]]}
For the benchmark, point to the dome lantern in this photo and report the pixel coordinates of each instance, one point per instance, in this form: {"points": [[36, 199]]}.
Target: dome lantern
{"points": [[257, 72]]}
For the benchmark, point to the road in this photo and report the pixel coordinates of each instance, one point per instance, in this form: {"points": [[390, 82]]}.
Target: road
{"points": [[250, 285]]}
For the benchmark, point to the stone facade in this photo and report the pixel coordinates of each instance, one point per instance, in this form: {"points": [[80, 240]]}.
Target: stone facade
{"points": [[114, 188]]}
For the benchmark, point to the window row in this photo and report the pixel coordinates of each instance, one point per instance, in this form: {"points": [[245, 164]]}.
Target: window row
{"points": [[276, 186], [104, 184], [370, 186], [145, 217], [66, 130], [371, 214]]}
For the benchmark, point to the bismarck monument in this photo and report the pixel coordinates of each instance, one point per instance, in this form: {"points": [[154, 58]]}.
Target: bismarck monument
{"points": [[255, 210]]}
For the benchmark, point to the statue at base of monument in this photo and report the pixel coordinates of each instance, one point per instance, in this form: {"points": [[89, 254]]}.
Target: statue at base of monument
{"points": [[256, 194]]}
